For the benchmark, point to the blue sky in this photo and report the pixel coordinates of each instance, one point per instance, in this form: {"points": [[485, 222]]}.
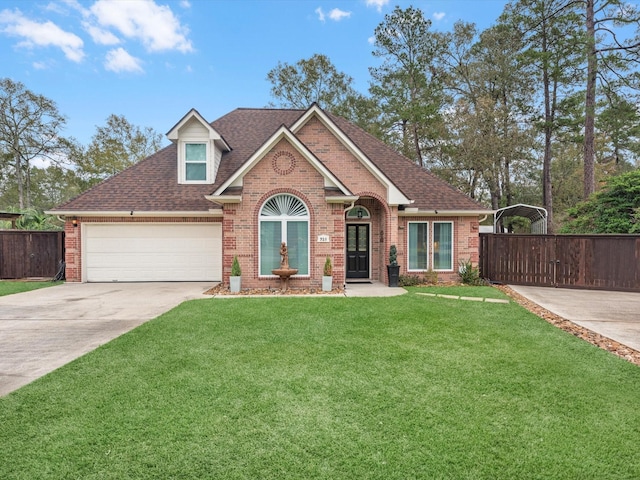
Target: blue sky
{"points": [[153, 60]]}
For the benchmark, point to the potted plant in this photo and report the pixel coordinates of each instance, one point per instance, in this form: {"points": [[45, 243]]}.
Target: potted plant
{"points": [[327, 277], [393, 269], [235, 278]]}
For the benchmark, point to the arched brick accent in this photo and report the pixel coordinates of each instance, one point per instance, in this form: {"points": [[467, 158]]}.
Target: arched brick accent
{"points": [[388, 223]]}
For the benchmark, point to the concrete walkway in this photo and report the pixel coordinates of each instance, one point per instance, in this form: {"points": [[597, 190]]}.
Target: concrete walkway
{"points": [[375, 289], [615, 315], [44, 329]]}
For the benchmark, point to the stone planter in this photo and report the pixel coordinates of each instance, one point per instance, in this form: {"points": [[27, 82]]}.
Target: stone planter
{"points": [[235, 284], [327, 283]]}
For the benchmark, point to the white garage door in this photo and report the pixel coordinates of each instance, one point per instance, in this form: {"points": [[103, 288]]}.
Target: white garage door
{"points": [[153, 252]]}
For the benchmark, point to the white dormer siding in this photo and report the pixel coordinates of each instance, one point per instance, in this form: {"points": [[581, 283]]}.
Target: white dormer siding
{"points": [[195, 154], [199, 149]]}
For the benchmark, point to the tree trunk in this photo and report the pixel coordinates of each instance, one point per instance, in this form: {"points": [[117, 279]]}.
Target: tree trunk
{"points": [[19, 179], [547, 190], [28, 184], [416, 145], [590, 105]]}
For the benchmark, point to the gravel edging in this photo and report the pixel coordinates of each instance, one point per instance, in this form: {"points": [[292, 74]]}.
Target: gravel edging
{"points": [[600, 341]]}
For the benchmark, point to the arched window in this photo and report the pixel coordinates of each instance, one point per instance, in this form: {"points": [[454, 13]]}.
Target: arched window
{"points": [[358, 212], [284, 218]]}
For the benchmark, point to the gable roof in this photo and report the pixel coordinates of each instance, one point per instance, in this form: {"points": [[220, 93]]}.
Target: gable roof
{"points": [[151, 185], [194, 115], [282, 133]]}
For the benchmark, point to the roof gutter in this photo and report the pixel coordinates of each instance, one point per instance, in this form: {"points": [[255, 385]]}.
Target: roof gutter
{"points": [[136, 213], [342, 199], [414, 212]]}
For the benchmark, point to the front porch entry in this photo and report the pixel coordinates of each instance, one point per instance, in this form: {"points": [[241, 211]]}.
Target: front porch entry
{"points": [[358, 251]]}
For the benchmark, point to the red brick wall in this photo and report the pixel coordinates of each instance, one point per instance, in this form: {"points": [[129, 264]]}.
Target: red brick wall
{"points": [[350, 171], [240, 221], [466, 242]]}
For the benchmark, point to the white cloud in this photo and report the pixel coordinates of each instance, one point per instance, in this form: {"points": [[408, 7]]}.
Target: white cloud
{"points": [[46, 34], [75, 4], [118, 60], [100, 35], [438, 16], [39, 65], [371, 40], [185, 4], [154, 25], [378, 4], [336, 14]]}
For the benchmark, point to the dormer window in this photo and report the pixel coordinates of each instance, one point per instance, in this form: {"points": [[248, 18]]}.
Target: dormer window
{"points": [[195, 162], [199, 147]]}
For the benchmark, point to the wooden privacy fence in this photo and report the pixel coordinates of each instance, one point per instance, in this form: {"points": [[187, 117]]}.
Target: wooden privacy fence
{"points": [[607, 262], [25, 254]]}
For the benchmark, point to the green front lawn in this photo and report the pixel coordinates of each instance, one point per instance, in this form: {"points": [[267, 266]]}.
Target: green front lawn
{"points": [[461, 290], [10, 287], [333, 388]]}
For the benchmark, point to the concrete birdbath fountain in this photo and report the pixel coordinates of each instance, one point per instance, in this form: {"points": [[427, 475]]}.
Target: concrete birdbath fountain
{"points": [[284, 272]]}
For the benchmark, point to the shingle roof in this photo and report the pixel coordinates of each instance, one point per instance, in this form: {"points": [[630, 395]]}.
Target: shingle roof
{"points": [[151, 184], [428, 191]]}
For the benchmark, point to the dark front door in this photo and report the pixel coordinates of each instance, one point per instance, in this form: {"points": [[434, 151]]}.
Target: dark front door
{"points": [[357, 251]]}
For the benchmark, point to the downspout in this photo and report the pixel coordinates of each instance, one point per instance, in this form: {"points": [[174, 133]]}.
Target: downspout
{"points": [[350, 207]]}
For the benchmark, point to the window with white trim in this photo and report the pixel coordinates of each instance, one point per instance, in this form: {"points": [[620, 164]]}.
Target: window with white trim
{"points": [[443, 246], [358, 212], [195, 162], [418, 246], [284, 218]]}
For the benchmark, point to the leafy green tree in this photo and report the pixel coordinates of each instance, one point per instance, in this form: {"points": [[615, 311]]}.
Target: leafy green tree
{"points": [[491, 143], [30, 127], [113, 147], [619, 131], [612, 57], [614, 209], [35, 219], [550, 35], [407, 86], [310, 80], [53, 185], [317, 80], [566, 178]]}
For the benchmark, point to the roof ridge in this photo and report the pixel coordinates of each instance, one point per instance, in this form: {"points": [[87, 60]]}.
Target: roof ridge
{"points": [[274, 109]]}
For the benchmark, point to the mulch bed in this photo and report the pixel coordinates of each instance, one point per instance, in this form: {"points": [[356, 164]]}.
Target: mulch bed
{"points": [[220, 289], [594, 338]]}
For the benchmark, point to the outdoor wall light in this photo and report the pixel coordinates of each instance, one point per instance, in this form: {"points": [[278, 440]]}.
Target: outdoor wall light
{"points": [[74, 222]]}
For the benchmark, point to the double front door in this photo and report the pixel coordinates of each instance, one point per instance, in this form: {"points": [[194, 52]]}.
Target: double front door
{"points": [[357, 251]]}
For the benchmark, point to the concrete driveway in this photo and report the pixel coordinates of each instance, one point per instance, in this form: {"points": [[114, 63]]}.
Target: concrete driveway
{"points": [[615, 315], [47, 328]]}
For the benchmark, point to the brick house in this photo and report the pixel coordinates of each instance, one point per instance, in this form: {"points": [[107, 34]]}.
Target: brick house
{"points": [[244, 183]]}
